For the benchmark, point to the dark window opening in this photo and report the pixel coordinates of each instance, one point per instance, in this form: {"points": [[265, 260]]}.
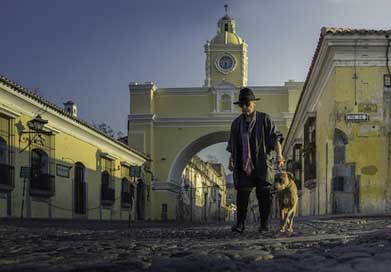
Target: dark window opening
{"points": [[338, 184], [127, 193], [80, 189], [164, 212], [107, 189], [310, 149], [297, 165], [42, 182]]}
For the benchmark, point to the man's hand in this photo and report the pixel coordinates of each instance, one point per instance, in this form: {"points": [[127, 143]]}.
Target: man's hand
{"points": [[279, 158], [280, 161]]}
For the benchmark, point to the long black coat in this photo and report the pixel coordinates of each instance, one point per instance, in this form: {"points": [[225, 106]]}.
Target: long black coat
{"points": [[262, 141]]}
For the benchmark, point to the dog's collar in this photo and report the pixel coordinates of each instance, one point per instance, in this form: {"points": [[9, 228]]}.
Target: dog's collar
{"points": [[290, 183]]}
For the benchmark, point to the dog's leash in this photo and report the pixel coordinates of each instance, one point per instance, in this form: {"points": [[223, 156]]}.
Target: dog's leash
{"points": [[277, 171]]}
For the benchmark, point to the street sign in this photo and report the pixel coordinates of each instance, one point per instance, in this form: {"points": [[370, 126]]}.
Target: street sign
{"points": [[135, 171], [357, 117], [63, 170], [25, 172]]}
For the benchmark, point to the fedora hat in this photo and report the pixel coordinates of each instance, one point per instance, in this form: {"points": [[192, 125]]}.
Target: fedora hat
{"points": [[246, 95]]}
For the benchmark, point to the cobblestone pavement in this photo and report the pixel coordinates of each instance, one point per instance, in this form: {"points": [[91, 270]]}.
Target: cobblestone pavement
{"points": [[322, 244]]}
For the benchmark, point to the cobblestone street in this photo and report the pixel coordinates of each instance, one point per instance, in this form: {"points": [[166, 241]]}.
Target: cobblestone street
{"points": [[321, 244]]}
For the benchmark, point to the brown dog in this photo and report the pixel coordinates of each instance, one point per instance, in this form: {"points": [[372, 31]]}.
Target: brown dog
{"points": [[287, 198]]}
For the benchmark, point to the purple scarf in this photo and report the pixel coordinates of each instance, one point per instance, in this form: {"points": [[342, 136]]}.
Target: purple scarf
{"points": [[245, 130]]}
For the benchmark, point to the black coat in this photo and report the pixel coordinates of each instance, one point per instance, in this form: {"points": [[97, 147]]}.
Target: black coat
{"points": [[262, 141]]}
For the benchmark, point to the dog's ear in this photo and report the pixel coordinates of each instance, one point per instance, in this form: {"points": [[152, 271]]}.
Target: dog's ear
{"points": [[291, 176]]}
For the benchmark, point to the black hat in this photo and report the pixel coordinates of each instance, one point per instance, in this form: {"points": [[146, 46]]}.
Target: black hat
{"points": [[246, 95]]}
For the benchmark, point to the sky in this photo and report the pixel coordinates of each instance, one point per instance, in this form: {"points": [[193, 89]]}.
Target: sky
{"points": [[88, 51]]}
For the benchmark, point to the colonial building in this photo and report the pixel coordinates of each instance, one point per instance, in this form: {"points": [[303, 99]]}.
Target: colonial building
{"points": [[171, 125], [203, 192], [231, 199], [54, 165], [339, 140]]}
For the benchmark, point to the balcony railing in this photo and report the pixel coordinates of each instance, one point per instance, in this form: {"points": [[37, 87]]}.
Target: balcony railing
{"points": [[43, 185], [6, 177], [107, 196]]}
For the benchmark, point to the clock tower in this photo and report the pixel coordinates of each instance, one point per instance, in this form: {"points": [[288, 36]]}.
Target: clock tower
{"points": [[226, 56]]}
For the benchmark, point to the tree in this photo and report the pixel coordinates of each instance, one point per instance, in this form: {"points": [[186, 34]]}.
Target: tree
{"points": [[106, 129]]}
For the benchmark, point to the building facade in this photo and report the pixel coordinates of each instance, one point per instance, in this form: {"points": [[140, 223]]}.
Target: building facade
{"points": [[171, 125], [203, 192], [339, 140], [54, 165]]}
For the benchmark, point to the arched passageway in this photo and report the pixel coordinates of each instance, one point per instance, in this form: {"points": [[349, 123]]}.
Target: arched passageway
{"points": [[184, 156]]}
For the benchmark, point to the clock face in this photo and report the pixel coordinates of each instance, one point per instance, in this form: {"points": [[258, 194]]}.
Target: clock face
{"points": [[226, 63]]}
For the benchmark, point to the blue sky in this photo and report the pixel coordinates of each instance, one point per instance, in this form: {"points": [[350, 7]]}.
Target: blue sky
{"points": [[88, 51]]}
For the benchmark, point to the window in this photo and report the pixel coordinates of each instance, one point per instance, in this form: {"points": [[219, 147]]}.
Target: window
{"points": [[5, 139], [225, 102], [107, 165], [338, 184], [164, 212], [126, 198], [39, 163], [107, 190], [310, 149], [125, 186], [3, 151], [387, 81], [225, 27], [42, 183], [6, 171], [297, 164], [80, 189]]}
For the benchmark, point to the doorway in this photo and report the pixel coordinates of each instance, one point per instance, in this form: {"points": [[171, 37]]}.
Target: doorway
{"points": [[79, 189]]}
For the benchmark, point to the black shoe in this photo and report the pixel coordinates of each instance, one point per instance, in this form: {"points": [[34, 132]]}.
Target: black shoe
{"points": [[263, 229], [238, 228]]}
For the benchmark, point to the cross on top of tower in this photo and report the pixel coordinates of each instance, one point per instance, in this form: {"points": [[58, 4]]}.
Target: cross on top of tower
{"points": [[226, 9]]}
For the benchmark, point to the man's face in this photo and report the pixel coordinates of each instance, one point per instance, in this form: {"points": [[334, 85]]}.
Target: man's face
{"points": [[248, 108]]}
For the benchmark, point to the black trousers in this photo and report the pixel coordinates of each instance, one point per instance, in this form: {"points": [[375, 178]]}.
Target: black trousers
{"points": [[263, 193]]}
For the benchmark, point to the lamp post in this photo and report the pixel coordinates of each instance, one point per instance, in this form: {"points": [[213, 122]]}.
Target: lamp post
{"points": [[35, 132]]}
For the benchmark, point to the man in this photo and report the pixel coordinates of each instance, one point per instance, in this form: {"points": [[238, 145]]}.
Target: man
{"points": [[253, 137]]}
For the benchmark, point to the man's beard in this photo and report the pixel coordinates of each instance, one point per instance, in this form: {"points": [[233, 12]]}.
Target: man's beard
{"points": [[248, 114]]}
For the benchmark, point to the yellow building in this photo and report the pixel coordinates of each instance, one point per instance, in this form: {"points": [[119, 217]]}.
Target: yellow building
{"points": [[203, 192], [339, 141], [171, 125], [231, 199], [57, 166]]}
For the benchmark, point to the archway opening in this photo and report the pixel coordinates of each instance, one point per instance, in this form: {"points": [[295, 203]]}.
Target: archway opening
{"points": [[200, 172]]}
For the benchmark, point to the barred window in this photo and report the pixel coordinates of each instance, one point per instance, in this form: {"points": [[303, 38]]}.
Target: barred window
{"points": [[297, 165], [6, 140], [125, 185], [39, 163], [310, 149], [3, 151], [107, 165]]}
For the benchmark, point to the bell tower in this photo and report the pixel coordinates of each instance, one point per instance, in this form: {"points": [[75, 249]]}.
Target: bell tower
{"points": [[226, 55]]}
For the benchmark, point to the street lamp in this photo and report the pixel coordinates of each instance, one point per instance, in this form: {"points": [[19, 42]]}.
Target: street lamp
{"points": [[35, 133], [37, 124]]}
